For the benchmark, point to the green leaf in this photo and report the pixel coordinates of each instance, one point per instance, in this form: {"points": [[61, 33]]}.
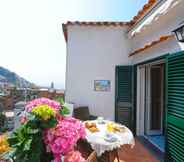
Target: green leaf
{"points": [[49, 124], [32, 131], [64, 111], [26, 141], [60, 100], [27, 145], [12, 140], [33, 121]]}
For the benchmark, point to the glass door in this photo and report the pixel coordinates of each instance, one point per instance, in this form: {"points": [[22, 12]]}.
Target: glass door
{"points": [[154, 99]]}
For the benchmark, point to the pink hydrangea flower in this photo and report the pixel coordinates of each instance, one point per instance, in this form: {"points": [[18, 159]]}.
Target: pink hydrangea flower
{"points": [[62, 138], [42, 101], [74, 156], [71, 156], [57, 158]]}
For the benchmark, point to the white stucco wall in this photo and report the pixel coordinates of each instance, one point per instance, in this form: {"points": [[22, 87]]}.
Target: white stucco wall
{"points": [[163, 26], [94, 51], [92, 54]]}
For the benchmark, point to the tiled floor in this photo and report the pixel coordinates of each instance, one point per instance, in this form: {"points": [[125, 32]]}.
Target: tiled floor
{"points": [[138, 154]]}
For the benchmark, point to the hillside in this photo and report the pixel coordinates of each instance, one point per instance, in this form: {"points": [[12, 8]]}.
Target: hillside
{"points": [[6, 76]]}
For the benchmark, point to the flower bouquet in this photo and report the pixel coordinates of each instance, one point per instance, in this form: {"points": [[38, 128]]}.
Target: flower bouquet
{"points": [[45, 134]]}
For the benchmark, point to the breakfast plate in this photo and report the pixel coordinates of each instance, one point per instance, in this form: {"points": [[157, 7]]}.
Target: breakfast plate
{"points": [[109, 137]]}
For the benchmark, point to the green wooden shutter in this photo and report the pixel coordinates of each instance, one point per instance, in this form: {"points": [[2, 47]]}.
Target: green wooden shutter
{"points": [[175, 108], [124, 95]]}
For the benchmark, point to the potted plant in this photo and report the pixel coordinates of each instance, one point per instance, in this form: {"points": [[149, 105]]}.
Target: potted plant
{"points": [[45, 134]]}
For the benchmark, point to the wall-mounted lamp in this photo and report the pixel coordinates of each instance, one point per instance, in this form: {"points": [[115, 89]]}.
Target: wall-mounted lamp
{"points": [[179, 32]]}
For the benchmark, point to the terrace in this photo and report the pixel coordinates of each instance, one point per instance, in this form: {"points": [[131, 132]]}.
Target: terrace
{"points": [[139, 152], [124, 92]]}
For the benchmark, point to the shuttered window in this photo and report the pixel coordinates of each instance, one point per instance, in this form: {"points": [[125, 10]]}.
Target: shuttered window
{"points": [[124, 95], [175, 107], [124, 80]]}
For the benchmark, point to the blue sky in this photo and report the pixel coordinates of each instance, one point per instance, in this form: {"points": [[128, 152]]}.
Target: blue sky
{"points": [[31, 38]]}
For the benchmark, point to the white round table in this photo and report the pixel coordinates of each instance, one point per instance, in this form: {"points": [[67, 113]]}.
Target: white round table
{"points": [[100, 145]]}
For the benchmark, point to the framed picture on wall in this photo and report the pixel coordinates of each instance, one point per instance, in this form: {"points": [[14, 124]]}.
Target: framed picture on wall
{"points": [[102, 85]]}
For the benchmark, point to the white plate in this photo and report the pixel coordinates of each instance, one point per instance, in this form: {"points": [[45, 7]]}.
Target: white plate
{"points": [[112, 139]]}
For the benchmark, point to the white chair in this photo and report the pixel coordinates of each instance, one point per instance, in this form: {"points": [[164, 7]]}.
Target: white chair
{"points": [[70, 107]]}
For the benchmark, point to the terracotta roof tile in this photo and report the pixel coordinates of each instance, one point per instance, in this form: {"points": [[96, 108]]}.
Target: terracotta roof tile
{"points": [[95, 23], [135, 19], [149, 45], [144, 9]]}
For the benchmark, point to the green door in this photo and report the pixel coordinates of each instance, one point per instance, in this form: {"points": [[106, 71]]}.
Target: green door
{"points": [[175, 108], [124, 96]]}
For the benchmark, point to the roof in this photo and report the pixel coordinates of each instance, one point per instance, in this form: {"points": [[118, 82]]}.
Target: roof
{"points": [[93, 23], [143, 11], [151, 44], [130, 23]]}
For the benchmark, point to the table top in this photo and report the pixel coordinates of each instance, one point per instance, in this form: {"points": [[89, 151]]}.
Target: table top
{"points": [[105, 139]]}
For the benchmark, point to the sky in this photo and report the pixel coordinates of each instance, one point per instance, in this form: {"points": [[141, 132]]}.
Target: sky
{"points": [[31, 37]]}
